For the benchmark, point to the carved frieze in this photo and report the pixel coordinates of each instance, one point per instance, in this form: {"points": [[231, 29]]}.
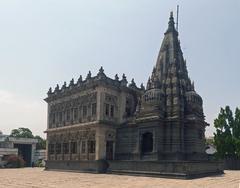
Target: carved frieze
{"points": [[111, 99], [110, 135]]}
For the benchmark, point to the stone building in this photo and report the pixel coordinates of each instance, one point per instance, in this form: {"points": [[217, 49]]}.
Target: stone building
{"points": [[24, 147], [135, 129], [83, 117]]}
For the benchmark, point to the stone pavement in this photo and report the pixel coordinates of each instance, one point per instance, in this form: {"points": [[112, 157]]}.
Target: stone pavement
{"points": [[37, 177]]}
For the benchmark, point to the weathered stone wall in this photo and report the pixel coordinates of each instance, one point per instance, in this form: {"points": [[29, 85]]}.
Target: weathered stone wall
{"points": [[127, 143], [194, 138], [231, 163], [170, 141], [84, 166]]}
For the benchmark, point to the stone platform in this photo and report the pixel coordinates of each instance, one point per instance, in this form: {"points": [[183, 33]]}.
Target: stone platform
{"points": [[38, 178], [168, 169], [80, 166]]}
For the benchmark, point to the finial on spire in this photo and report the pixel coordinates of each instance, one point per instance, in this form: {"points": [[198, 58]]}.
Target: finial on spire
{"points": [[171, 21], [171, 24], [177, 17]]}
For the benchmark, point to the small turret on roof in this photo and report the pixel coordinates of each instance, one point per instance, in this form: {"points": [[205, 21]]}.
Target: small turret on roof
{"points": [[101, 73], [124, 80], [89, 75], [116, 77], [56, 88]]}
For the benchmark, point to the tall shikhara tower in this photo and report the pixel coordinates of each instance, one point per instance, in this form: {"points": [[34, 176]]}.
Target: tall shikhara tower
{"points": [[171, 105]]}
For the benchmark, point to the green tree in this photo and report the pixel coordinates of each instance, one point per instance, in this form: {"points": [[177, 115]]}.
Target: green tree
{"points": [[209, 141], [227, 136], [22, 133], [41, 142]]}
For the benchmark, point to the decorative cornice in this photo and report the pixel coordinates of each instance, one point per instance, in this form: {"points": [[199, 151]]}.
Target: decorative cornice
{"points": [[90, 82]]}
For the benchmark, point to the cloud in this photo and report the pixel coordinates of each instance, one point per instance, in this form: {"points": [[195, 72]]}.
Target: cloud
{"points": [[6, 97], [17, 111]]}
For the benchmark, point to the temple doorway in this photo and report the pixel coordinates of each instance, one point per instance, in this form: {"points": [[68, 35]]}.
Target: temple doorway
{"points": [[25, 151], [147, 143], [109, 150]]}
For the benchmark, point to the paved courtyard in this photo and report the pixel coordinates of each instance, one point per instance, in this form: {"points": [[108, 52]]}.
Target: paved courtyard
{"points": [[37, 177]]}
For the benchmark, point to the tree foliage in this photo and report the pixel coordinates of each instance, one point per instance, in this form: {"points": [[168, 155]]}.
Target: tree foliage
{"points": [[41, 142], [209, 141], [22, 133], [227, 136]]}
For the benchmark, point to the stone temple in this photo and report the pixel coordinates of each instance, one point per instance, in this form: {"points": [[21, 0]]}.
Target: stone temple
{"points": [[157, 130]]}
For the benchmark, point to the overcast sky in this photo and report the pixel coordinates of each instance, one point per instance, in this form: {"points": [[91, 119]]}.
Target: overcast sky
{"points": [[46, 42]]}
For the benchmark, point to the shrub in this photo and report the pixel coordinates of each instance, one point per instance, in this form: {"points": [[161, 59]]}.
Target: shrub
{"points": [[14, 161], [39, 163]]}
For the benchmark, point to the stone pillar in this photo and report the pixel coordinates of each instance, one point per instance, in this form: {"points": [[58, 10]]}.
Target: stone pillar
{"points": [[114, 150], [79, 149], [55, 151], [33, 153], [69, 151], [63, 117], [100, 144], [47, 150], [62, 152], [122, 106], [71, 115], [48, 117], [99, 104], [86, 151]]}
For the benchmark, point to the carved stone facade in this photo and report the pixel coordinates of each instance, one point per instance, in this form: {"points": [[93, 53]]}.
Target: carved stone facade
{"points": [[103, 118], [83, 117]]}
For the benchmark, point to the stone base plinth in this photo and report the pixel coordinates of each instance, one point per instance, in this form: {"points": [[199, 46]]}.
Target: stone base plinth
{"points": [[169, 169], [99, 166]]}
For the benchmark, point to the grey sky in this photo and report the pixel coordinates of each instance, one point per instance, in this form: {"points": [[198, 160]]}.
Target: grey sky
{"points": [[46, 42]]}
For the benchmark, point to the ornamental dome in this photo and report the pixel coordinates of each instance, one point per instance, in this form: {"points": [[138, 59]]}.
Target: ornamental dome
{"points": [[193, 97], [153, 96], [152, 103]]}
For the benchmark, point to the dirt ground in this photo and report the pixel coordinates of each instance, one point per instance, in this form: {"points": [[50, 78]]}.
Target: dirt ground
{"points": [[37, 177]]}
